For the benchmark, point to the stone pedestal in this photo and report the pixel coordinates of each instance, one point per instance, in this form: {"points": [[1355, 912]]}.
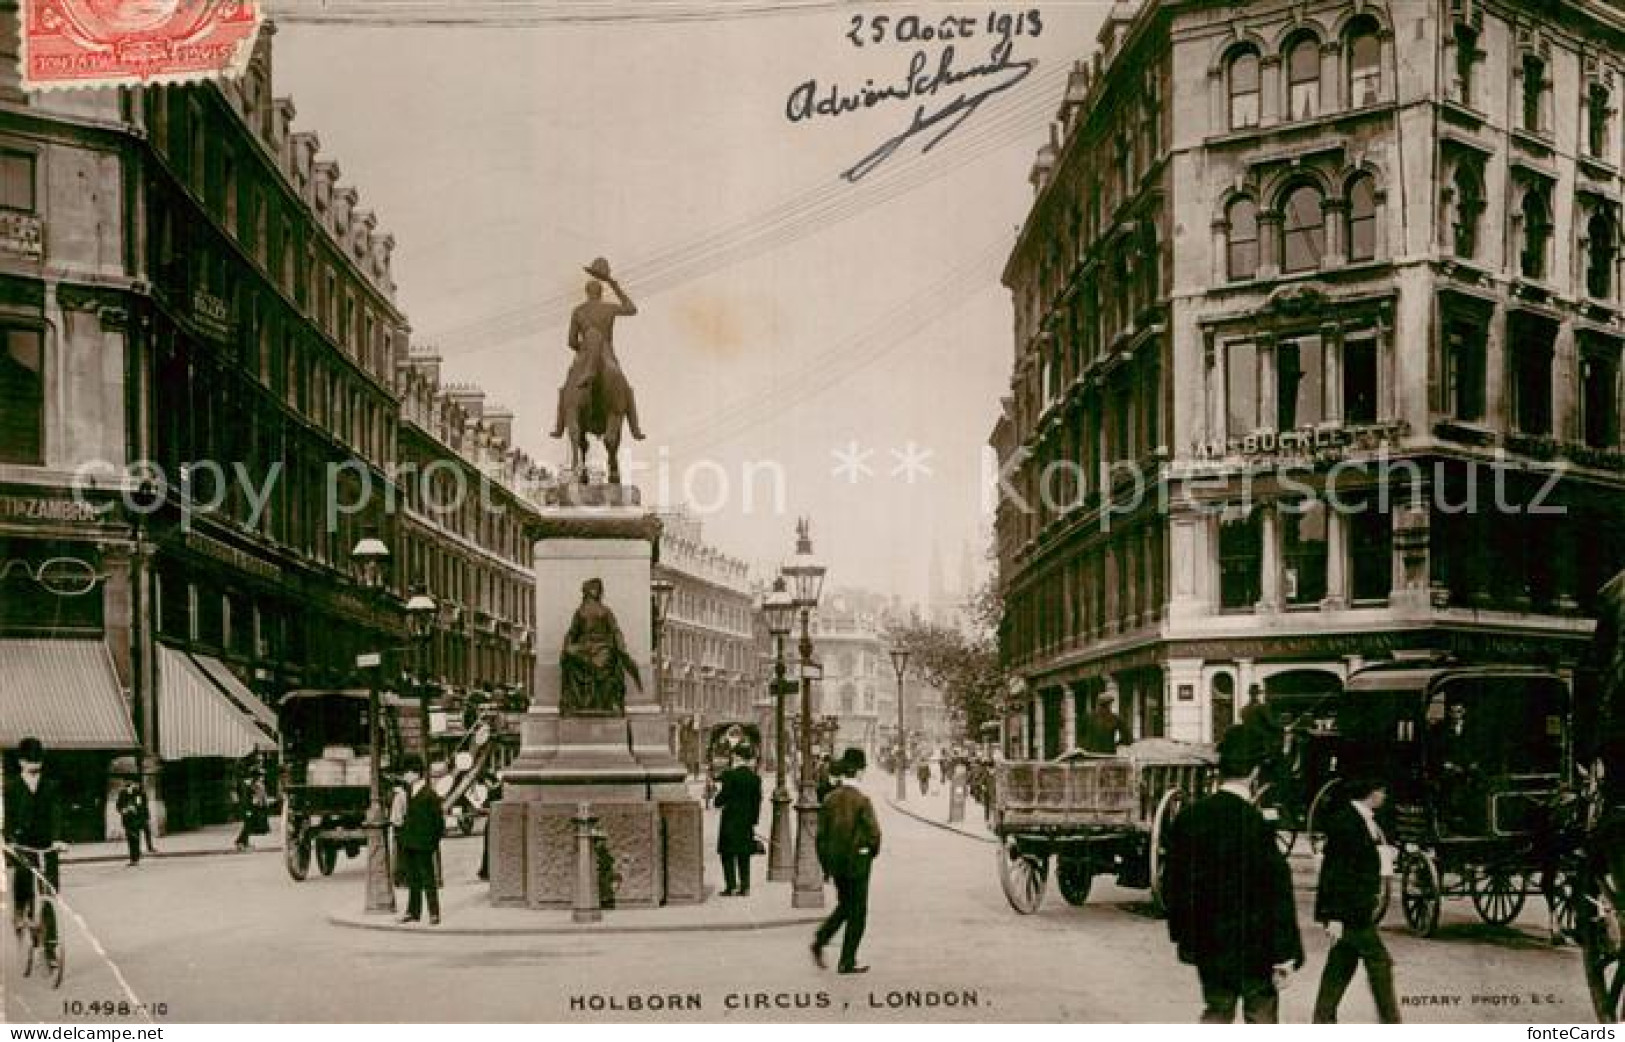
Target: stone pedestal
{"points": [[620, 765]]}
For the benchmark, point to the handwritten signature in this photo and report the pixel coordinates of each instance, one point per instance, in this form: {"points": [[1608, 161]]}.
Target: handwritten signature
{"points": [[981, 82]]}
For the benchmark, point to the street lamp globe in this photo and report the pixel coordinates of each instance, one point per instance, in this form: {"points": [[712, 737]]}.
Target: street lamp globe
{"points": [[805, 572], [899, 662], [421, 612], [662, 590], [370, 554], [779, 608]]}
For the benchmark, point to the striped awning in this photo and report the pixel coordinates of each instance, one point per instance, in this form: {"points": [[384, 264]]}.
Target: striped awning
{"points": [[239, 694], [63, 692], [196, 719]]}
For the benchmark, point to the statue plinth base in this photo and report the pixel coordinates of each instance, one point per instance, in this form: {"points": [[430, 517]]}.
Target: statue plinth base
{"points": [[620, 765]]}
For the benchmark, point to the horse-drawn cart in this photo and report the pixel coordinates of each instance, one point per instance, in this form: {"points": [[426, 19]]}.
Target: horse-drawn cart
{"points": [[1093, 815]]}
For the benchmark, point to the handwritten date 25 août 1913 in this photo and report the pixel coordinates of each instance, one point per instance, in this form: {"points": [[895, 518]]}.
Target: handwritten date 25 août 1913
{"points": [[877, 29]]}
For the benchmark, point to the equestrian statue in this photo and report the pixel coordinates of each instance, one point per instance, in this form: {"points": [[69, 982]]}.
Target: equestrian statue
{"points": [[596, 397]]}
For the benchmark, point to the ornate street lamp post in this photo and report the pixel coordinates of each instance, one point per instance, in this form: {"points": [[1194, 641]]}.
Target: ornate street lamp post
{"points": [[899, 663], [421, 615], [779, 609], [805, 575], [371, 554], [661, 592]]}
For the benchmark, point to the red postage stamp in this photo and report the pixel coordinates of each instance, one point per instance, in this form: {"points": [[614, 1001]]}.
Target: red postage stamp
{"points": [[100, 43]]}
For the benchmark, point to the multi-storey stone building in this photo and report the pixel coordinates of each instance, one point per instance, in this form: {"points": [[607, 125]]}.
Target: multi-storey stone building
{"points": [[199, 419], [709, 668], [1298, 279]]}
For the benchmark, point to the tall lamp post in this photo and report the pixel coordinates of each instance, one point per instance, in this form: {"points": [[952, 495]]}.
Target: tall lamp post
{"points": [[371, 554], [421, 615], [779, 609], [660, 595], [805, 574], [899, 663]]}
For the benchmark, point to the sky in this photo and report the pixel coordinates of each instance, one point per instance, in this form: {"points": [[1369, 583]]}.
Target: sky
{"points": [[790, 319]]}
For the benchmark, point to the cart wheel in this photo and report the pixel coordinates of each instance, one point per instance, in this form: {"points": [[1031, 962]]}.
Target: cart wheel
{"points": [[327, 857], [1562, 903], [1173, 801], [1268, 802], [295, 847], [1419, 893], [1318, 809], [1602, 938], [1073, 877], [1498, 895], [1023, 876]]}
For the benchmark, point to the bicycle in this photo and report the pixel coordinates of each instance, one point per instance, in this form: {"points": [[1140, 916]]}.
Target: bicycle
{"points": [[39, 919]]}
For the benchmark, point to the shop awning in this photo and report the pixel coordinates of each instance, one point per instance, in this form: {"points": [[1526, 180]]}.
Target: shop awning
{"points": [[63, 692], [196, 719], [238, 693]]}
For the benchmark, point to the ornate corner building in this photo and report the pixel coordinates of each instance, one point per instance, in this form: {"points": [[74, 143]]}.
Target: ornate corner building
{"points": [[202, 369], [1317, 354]]}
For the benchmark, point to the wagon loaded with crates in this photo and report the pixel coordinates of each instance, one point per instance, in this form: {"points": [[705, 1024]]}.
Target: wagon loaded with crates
{"points": [[1094, 815]]}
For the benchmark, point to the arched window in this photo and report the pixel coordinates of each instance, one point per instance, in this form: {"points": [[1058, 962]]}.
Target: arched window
{"points": [[1242, 251], [1365, 64], [1602, 251], [1469, 203], [1303, 230], [1362, 221], [1303, 78], [1245, 89], [1537, 229]]}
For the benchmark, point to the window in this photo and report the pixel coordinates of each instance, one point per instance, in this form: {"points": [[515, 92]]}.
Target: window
{"points": [[1465, 342], [16, 182], [1602, 252], [1362, 220], [1599, 398], [22, 396], [1245, 90], [1598, 116], [1370, 535], [1241, 560], [1359, 381], [1365, 64], [1534, 92], [1303, 553], [1303, 230], [1242, 246], [1298, 381], [1466, 62], [1537, 230], [1241, 389], [1532, 341], [1303, 78], [1469, 203]]}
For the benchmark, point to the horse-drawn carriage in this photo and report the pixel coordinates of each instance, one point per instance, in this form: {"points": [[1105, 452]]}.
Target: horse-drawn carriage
{"points": [[326, 772], [1476, 760], [1093, 815]]}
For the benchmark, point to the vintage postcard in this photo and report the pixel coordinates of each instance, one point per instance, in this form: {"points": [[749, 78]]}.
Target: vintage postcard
{"points": [[677, 512]]}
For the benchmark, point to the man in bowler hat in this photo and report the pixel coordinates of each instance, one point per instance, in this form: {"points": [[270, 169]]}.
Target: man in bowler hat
{"points": [[419, 839], [740, 799], [1229, 893], [848, 842], [1356, 859]]}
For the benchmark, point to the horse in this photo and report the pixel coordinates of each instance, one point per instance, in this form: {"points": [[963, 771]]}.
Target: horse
{"points": [[600, 406]]}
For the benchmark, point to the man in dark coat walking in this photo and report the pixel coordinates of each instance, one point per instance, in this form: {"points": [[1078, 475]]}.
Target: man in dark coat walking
{"points": [[419, 838], [740, 799], [1356, 859], [1228, 891], [134, 816], [848, 843]]}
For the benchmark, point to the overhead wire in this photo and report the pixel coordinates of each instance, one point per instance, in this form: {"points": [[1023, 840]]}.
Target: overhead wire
{"points": [[486, 14], [785, 223]]}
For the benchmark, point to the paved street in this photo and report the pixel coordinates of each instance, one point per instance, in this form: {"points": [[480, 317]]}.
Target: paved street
{"points": [[231, 938]]}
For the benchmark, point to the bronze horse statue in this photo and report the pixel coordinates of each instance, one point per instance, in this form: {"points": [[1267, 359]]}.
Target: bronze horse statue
{"points": [[601, 401]]}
